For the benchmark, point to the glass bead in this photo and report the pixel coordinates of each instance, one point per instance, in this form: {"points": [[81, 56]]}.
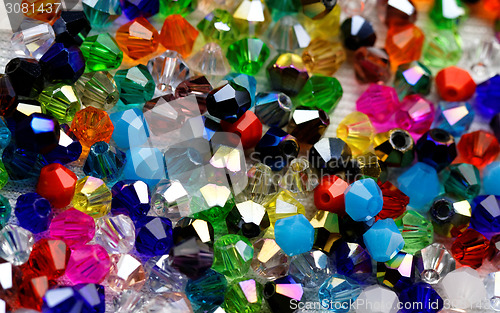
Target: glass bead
{"points": [[294, 234], [269, 261], [288, 35], [434, 262], [104, 162], [208, 289], [395, 147], [130, 198], [32, 290], [447, 14], [454, 117], [126, 272], [323, 57], [38, 132], [386, 232], [191, 257], [97, 89], [326, 28], [213, 202], [417, 231], [249, 218], [93, 296], [91, 125], [210, 61], [282, 7], [478, 148], [168, 70], [450, 215], [299, 178], [232, 255], [115, 233], [277, 148], [145, 8], [26, 77], [153, 235], [170, 199], [177, 34], [282, 205], [490, 178], [287, 73], [382, 300], [252, 17], [400, 13], [101, 13], [21, 164], [308, 124], [63, 298], [281, 292], [260, 184], [329, 195], [338, 293], [311, 268], [130, 128], [464, 284], [88, 264], [423, 295], [60, 101], [33, 212], [480, 58], [248, 55], [330, 155], [412, 78], [469, 248], [169, 302], [49, 258], [62, 64], [228, 102], [317, 9], [436, 148], [243, 296], [490, 284], [357, 32], [16, 244], [442, 48], [162, 277], [416, 114], [71, 28], [353, 261], [404, 44], [486, 97], [372, 65], [422, 175], [273, 108], [135, 84], [144, 164], [379, 102], [399, 272], [357, 131], [33, 39], [455, 84], [363, 200], [56, 184], [219, 25], [320, 92], [72, 226], [326, 228], [486, 214], [5, 134], [183, 7], [395, 201], [101, 53], [462, 179], [92, 197]]}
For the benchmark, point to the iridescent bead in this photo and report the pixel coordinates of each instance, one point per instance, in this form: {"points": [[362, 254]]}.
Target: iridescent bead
{"points": [[357, 131], [248, 55], [372, 65], [486, 214], [115, 233], [399, 272], [310, 268], [412, 78], [436, 148], [33, 212], [170, 199], [320, 92], [420, 183], [273, 108], [232, 255], [104, 162], [470, 248], [277, 148], [243, 296], [126, 272], [395, 148], [454, 117], [130, 198], [357, 32], [327, 233], [16, 244], [416, 114], [287, 73], [363, 200], [383, 240], [294, 234], [338, 293], [307, 124], [153, 235], [478, 148], [379, 102], [281, 292], [323, 57], [269, 261], [450, 215]]}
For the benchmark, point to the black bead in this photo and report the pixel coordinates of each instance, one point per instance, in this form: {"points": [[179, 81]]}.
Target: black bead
{"points": [[63, 65], [243, 217], [8, 97], [71, 28], [187, 228], [25, 76], [277, 148], [228, 102], [353, 231], [308, 124], [283, 300], [357, 32], [38, 133], [330, 156], [436, 148]]}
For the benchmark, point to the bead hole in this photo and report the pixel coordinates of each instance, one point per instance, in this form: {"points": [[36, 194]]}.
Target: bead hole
{"points": [[400, 140], [325, 198], [100, 147], [452, 92], [440, 135]]}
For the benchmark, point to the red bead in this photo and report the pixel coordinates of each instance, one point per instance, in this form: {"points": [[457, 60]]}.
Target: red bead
{"points": [[32, 290], [395, 201], [470, 248], [8, 97], [248, 127], [455, 84], [49, 258], [478, 148], [11, 278], [329, 195], [56, 184]]}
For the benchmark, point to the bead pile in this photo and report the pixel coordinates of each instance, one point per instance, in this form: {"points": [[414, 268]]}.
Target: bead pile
{"points": [[177, 158]]}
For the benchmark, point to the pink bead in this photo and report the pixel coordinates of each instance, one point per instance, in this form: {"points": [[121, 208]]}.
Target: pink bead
{"points": [[379, 102], [88, 264], [416, 114], [73, 227]]}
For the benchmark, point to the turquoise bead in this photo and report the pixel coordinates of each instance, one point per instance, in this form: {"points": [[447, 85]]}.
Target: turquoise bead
{"points": [[383, 240], [294, 234], [209, 289], [136, 85], [146, 164], [490, 179], [454, 117], [363, 200], [421, 184], [104, 162], [5, 134], [130, 128], [338, 293]]}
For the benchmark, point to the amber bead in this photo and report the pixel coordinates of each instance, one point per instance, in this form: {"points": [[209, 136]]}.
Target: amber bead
{"points": [[404, 44], [455, 84], [372, 65], [329, 194], [323, 57], [138, 38], [401, 12], [44, 10], [56, 184], [177, 34], [92, 125]]}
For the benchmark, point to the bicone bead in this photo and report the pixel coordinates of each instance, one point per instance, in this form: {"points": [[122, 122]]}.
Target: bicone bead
{"points": [[68, 149], [56, 184], [478, 148], [130, 128], [330, 155], [154, 235], [395, 148], [243, 295], [88, 264], [130, 198], [329, 195], [413, 78], [115, 233], [26, 76], [308, 124], [420, 183], [404, 44], [363, 200], [92, 125], [146, 164], [232, 255], [294, 234], [33, 39], [126, 272], [454, 117], [357, 131], [495, 125], [277, 148], [33, 212], [137, 38], [273, 108], [208, 289], [383, 240], [136, 85], [16, 244], [436, 148], [74, 227], [101, 53], [455, 84], [50, 258], [101, 13], [371, 65], [71, 28], [228, 102], [62, 64], [97, 89], [281, 292], [357, 32], [248, 218], [323, 57], [416, 114], [424, 296], [92, 197], [177, 34], [395, 201], [269, 261], [338, 293], [485, 216], [463, 180], [379, 102], [6, 212], [490, 178], [470, 248], [450, 215], [104, 162], [145, 8], [321, 92], [287, 73], [244, 17], [486, 95], [248, 55]]}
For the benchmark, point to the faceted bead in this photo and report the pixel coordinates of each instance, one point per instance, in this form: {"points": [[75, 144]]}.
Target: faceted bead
{"points": [[442, 48], [450, 216], [480, 58], [60, 101], [395, 147], [97, 89], [281, 7], [21, 164], [50, 258], [92, 197], [464, 285], [416, 114], [308, 124], [8, 97], [436, 148], [33, 39], [411, 78], [188, 228], [490, 173], [288, 35], [101, 53], [329, 195], [353, 261], [244, 80], [269, 261], [462, 179], [248, 217], [273, 108], [281, 292], [320, 92], [454, 117], [404, 44], [210, 61], [323, 57], [434, 262], [209, 289], [62, 64], [232, 255], [260, 184], [192, 257], [363, 200], [455, 84], [130, 198], [163, 277], [145, 8], [400, 13], [299, 178], [219, 25], [381, 299], [183, 7], [71, 28], [277, 148], [130, 128], [317, 9], [26, 77], [44, 14], [399, 272], [294, 234], [56, 184], [248, 55], [379, 102], [154, 235], [38, 133], [310, 268], [417, 231], [330, 155], [16, 244], [357, 32], [6, 211], [252, 17], [383, 240], [228, 102], [490, 283], [486, 97], [92, 125], [372, 65], [478, 148], [338, 293], [470, 248], [170, 199], [327, 233], [138, 39], [33, 212], [88, 264], [423, 295], [287, 73], [177, 34], [72, 226], [93, 297], [100, 13], [486, 214], [115, 233], [126, 272], [174, 302], [168, 70], [32, 290], [243, 295], [11, 280], [104, 162], [357, 131], [282, 205], [135, 84], [247, 127], [4, 175], [5, 134], [446, 14], [421, 175], [327, 27], [212, 203], [62, 299]]}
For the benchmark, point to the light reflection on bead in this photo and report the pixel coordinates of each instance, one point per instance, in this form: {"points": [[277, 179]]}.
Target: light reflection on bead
{"points": [[116, 233]]}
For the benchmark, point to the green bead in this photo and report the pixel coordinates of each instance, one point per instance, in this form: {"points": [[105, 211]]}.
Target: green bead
{"points": [[417, 231], [202, 203], [321, 92], [219, 26], [248, 55], [136, 85], [182, 7], [462, 180], [4, 176], [443, 48], [101, 53], [243, 296], [447, 15], [279, 8], [5, 210], [232, 255], [97, 89], [412, 78], [101, 12], [60, 101]]}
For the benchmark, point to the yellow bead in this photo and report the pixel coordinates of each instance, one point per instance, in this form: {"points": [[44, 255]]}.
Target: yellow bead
{"points": [[323, 57], [282, 205], [324, 28], [357, 131], [92, 197]]}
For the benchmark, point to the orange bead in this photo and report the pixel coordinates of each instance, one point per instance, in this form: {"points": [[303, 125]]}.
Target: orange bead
{"points": [[91, 125], [56, 184], [43, 10], [248, 127], [404, 44], [492, 6], [455, 84], [177, 34], [138, 38], [478, 148]]}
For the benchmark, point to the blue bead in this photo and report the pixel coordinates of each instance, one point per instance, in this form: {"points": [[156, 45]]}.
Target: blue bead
{"points": [[68, 150], [363, 200], [246, 81], [146, 164], [488, 96], [5, 134], [63, 64], [130, 128], [62, 300], [93, 297], [33, 212], [22, 164], [209, 289], [420, 298], [277, 148], [153, 236], [486, 214], [294, 234], [38, 132], [383, 240], [105, 162], [454, 117], [352, 260], [420, 183], [338, 292], [490, 179], [5, 211], [136, 8], [130, 198]]}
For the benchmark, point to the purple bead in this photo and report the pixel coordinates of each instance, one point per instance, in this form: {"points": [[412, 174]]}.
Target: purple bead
{"points": [[192, 257], [379, 102], [420, 298], [63, 65], [486, 214], [33, 212], [153, 236], [93, 297], [130, 197], [136, 8], [416, 114]]}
